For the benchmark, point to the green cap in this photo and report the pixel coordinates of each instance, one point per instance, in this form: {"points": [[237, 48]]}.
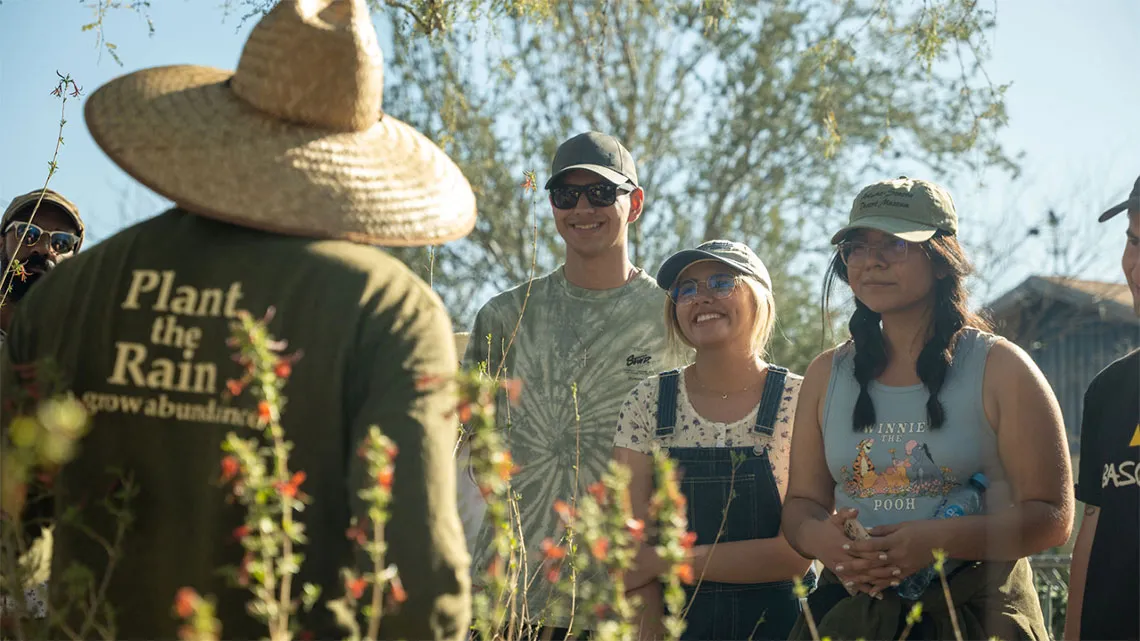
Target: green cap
{"points": [[1132, 204], [908, 208], [736, 255], [25, 202], [597, 152]]}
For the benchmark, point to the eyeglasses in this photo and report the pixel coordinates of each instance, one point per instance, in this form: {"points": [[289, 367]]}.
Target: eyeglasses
{"points": [[61, 242], [717, 285], [601, 194], [855, 253]]}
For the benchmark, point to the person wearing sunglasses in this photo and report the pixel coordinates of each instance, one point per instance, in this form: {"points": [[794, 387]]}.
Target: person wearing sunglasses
{"points": [[34, 240], [929, 431], [726, 420], [589, 332]]}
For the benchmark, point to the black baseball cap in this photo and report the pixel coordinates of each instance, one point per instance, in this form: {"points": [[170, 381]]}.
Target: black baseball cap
{"points": [[597, 152], [1132, 204]]}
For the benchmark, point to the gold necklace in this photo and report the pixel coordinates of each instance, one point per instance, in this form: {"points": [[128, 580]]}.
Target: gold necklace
{"points": [[723, 395]]}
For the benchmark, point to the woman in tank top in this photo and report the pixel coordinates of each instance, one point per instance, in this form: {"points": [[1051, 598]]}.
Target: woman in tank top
{"points": [[726, 421], [922, 414]]}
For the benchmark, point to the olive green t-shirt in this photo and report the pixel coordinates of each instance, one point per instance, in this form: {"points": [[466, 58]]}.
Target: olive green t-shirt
{"points": [[578, 353], [138, 326]]}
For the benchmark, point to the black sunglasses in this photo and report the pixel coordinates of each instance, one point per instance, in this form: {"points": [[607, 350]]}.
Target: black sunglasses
{"points": [[601, 194], [61, 242]]}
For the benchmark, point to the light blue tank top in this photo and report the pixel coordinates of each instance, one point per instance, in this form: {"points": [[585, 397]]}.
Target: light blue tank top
{"points": [[900, 469]]}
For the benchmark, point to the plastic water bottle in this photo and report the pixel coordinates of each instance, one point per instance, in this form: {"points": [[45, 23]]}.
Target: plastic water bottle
{"points": [[965, 499]]}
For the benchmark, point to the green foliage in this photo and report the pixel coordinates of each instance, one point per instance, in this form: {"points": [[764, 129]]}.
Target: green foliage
{"points": [[755, 120], [750, 120]]}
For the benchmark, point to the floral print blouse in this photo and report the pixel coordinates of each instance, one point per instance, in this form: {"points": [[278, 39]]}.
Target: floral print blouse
{"points": [[637, 424]]}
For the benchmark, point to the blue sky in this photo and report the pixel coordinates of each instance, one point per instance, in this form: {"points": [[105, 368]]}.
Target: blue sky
{"points": [[1072, 108]]}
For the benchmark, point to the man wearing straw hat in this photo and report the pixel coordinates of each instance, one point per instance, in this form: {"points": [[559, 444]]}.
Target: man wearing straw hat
{"points": [[590, 331], [284, 172]]}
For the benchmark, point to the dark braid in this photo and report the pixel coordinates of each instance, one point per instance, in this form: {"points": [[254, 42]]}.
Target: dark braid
{"points": [[870, 359], [934, 360], [951, 314]]}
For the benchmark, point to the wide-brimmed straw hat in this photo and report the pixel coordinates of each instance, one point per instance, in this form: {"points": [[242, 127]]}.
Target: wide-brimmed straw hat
{"points": [[295, 141]]}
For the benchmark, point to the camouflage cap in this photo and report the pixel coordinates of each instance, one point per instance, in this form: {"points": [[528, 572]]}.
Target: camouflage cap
{"points": [[25, 202]]}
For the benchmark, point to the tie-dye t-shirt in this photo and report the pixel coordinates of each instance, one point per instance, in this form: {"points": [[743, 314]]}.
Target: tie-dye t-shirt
{"points": [[601, 343], [899, 469]]}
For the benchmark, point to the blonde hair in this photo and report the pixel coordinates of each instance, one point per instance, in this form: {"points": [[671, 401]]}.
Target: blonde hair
{"points": [[765, 322]]}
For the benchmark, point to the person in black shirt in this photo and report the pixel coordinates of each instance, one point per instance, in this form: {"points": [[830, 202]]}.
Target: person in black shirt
{"points": [[1104, 587]]}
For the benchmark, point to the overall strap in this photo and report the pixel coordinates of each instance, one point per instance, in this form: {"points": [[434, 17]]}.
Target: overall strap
{"points": [[770, 400], [667, 402]]}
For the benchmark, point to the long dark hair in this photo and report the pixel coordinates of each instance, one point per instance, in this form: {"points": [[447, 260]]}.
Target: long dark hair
{"points": [[951, 315]]}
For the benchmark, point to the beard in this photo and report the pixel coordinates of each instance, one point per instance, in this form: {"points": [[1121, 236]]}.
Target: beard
{"points": [[17, 286]]}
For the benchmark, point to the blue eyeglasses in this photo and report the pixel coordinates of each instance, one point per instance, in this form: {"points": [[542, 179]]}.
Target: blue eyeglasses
{"points": [[718, 286]]}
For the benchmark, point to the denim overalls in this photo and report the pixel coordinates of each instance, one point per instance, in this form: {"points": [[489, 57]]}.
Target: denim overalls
{"points": [[724, 611]]}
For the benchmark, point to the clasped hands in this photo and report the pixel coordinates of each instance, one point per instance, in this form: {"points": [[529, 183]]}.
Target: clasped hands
{"points": [[893, 552]]}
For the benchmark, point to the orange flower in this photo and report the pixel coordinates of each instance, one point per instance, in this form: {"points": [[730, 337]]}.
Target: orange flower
{"points": [[464, 412], [241, 532], [554, 572], [185, 602], [264, 411], [528, 183], [513, 387], [243, 569], [290, 489], [504, 465], [599, 549], [685, 573], [563, 510], [283, 369], [391, 450], [552, 551], [598, 491], [234, 387], [384, 477], [600, 610], [495, 570], [428, 381], [636, 529], [679, 501], [398, 593], [355, 587], [230, 468], [357, 533], [688, 539]]}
